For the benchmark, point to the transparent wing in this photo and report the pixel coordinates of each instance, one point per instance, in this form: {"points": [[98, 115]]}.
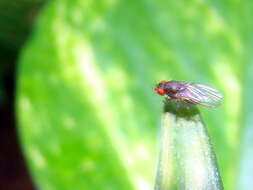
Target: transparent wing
{"points": [[201, 94]]}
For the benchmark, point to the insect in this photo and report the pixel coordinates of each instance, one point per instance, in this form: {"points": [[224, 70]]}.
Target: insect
{"points": [[189, 92]]}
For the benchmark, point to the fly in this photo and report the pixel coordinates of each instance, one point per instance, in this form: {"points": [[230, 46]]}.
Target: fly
{"points": [[189, 92]]}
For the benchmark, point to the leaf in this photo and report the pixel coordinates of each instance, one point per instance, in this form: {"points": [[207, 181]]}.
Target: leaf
{"points": [[87, 113], [186, 157]]}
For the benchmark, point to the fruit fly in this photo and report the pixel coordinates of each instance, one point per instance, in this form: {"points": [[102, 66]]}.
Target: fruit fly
{"points": [[189, 92]]}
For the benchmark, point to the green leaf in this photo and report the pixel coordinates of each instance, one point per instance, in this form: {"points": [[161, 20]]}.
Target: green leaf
{"points": [[87, 113], [186, 157]]}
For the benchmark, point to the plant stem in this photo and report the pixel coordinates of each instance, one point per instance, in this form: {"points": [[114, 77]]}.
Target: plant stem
{"points": [[186, 159]]}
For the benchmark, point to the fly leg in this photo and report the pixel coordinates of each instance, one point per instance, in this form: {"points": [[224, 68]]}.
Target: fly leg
{"points": [[166, 99]]}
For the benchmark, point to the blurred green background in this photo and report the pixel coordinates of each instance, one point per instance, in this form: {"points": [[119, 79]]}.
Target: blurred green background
{"points": [[87, 116]]}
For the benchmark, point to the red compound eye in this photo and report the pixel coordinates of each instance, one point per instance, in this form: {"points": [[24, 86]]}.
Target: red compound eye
{"points": [[160, 91]]}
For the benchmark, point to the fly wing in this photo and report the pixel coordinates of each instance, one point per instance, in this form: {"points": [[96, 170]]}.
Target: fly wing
{"points": [[201, 94]]}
